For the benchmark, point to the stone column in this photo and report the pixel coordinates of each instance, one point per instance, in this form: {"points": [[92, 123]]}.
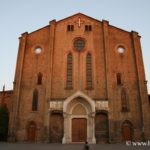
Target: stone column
{"points": [[17, 87], [105, 26], [66, 137], [142, 87], [92, 139], [49, 78]]}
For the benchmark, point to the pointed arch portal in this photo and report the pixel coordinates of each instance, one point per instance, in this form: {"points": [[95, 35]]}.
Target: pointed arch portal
{"points": [[79, 113]]}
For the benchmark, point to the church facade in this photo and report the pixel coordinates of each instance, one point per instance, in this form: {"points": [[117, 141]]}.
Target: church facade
{"points": [[79, 79]]}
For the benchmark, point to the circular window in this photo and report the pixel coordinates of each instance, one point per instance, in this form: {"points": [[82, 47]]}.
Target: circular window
{"points": [[38, 50], [121, 50], [79, 44]]}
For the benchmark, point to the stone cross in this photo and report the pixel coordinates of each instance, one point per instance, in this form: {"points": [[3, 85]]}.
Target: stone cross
{"points": [[79, 22]]}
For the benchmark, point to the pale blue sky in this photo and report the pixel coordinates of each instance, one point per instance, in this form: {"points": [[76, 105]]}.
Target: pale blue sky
{"points": [[19, 16]]}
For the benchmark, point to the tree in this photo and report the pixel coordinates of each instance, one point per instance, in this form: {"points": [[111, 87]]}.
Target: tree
{"points": [[4, 119]]}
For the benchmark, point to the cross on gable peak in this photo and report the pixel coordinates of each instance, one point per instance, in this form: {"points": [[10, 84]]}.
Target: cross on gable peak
{"points": [[79, 22]]}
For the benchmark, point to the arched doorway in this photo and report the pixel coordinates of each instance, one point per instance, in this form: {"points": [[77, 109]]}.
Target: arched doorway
{"points": [[127, 131], [56, 127], [101, 127], [31, 131], [79, 114]]}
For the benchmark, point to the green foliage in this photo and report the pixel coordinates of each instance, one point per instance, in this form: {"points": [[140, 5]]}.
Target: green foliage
{"points": [[4, 119]]}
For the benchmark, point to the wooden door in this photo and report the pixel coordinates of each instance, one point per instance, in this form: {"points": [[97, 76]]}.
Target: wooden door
{"points": [[127, 132], [31, 133], [101, 128], [56, 128], [79, 130]]}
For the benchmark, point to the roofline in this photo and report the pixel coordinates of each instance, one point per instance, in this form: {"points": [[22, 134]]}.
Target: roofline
{"points": [[85, 16], [34, 30], [39, 29], [63, 20], [8, 91], [76, 15], [120, 29]]}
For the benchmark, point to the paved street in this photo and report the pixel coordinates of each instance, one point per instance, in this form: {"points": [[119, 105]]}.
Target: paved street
{"points": [[38, 146]]}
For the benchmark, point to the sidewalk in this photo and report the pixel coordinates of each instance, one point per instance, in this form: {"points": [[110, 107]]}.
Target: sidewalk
{"points": [[39, 146]]}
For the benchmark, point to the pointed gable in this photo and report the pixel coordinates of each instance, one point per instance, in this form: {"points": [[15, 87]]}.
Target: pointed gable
{"points": [[78, 20], [77, 16]]}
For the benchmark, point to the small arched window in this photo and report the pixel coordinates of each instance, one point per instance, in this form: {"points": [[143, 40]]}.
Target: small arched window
{"points": [[124, 100], [35, 100], [119, 78], [88, 28], [89, 71], [39, 78], [70, 28], [69, 71]]}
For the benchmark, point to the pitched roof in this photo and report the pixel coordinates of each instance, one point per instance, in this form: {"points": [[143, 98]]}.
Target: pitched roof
{"points": [[78, 14]]}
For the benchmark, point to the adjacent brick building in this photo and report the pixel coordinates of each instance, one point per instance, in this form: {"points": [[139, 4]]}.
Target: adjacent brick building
{"points": [[80, 79], [6, 98]]}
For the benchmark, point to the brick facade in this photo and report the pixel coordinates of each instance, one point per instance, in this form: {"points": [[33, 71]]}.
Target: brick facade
{"points": [[109, 113]]}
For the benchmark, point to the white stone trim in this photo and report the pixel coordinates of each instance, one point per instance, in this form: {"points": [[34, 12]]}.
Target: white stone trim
{"points": [[102, 105], [68, 106], [56, 105], [78, 94]]}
